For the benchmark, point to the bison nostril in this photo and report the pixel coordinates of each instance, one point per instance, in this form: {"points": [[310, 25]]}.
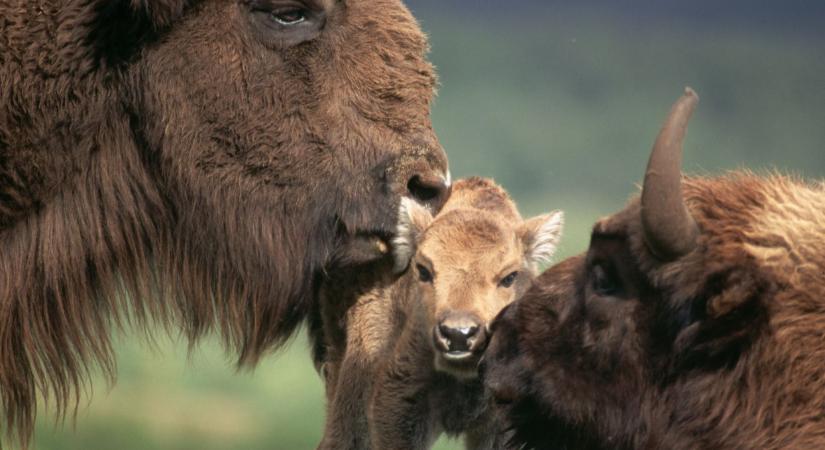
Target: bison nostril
{"points": [[430, 190], [457, 339]]}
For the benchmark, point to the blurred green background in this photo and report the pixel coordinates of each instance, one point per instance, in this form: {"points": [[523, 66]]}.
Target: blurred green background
{"points": [[559, 103]]}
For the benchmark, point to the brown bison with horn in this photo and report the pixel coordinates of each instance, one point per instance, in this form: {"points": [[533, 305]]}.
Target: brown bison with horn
{"points": [[696, 320], [197, 163]]}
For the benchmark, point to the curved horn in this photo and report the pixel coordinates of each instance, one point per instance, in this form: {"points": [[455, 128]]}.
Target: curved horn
{"points": [[669, 229]]}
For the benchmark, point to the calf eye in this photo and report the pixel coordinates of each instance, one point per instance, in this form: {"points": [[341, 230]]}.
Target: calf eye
{"points": [[508, 280], [424, 274], [603, 282]]}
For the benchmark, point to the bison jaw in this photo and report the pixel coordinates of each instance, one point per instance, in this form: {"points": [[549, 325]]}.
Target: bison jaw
{"points": [[461, 365]]}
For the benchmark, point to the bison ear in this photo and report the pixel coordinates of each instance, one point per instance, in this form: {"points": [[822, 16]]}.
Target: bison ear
{"points": [[413, 219], [161, 13], [727, 317], [541, 235], [740, 289]]}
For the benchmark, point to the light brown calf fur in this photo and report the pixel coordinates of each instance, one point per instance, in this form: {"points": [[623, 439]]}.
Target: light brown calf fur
{"points": [[401, 367]]}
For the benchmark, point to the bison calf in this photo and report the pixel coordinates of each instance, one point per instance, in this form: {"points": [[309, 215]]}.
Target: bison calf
{"points": [[402, 366], [696, 320]]}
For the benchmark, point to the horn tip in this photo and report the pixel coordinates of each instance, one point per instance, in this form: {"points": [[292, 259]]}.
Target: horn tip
{"points": [[690, 93]]}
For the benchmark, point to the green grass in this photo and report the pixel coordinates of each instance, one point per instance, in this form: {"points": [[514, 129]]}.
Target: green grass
{"points": [[167, 399]]}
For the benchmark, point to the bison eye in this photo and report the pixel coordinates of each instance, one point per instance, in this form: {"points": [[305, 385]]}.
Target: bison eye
{"points": [[424, 274], [290, 16], [508, 280], [603, 282], [285, 23]]}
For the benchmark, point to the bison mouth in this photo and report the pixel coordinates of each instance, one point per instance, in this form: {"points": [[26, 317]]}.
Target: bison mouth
{"points": [[460, 364], [457, 355], [369, 234], [360, 249]]}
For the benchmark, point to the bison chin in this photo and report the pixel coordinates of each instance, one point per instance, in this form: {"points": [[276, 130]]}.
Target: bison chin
{"points": [[461, 365]]}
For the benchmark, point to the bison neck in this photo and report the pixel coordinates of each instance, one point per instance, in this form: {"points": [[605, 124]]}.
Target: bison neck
{"points": [[458, 405]]}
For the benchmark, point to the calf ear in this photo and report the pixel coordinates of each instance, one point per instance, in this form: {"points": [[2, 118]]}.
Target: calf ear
{"points": [[160, 13], [540, 236], [413, 219]]}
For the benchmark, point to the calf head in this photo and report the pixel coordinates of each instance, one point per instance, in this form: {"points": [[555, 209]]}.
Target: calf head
{"points": [[468, 263], [660, 335]]}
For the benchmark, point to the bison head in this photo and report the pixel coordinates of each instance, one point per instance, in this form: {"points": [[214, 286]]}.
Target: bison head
{"points": [[206, 158], [466, 264], [681, 325], [282, 131]]}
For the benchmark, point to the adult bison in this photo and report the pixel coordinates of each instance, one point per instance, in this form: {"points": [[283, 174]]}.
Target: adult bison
{"points": [[196, 163], [696, 320]]}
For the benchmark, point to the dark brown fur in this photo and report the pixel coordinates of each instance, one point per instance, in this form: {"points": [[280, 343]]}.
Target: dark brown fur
{"points": [[721, 348], [191, 163], [387, 384]]}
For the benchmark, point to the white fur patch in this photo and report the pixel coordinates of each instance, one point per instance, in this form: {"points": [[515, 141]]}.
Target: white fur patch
{"points": [[412, 219], [403, 244], [546, 238]]}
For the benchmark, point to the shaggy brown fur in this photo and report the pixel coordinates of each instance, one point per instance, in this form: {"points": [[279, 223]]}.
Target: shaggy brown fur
{"points": [[392, 379], [195, 162], [720, 348]]}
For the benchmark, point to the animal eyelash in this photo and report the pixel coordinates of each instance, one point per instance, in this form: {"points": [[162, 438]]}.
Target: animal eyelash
{"points": [[508, 280], [424, 274], [604, 283]]}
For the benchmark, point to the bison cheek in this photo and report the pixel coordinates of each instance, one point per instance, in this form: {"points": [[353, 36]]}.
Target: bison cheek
{"points": [[502, 368]]}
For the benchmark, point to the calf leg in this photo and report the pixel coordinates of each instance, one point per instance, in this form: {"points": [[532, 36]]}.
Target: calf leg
{"points": [[350, 380], [400, 411], [346, 422]]}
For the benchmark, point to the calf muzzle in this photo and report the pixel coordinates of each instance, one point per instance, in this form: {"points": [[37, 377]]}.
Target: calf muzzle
{"points": [[459, 336]]}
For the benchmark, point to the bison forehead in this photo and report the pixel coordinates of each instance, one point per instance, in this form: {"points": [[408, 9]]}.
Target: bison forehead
{"points": [[484, 195], [468, 231]]}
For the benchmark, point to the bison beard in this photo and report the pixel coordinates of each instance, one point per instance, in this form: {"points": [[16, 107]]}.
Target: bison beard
{"points": [[693, 321], [195, 164]]}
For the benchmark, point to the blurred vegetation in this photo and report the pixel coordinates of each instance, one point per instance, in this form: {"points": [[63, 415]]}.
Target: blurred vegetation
{"points": [[561, 107]]}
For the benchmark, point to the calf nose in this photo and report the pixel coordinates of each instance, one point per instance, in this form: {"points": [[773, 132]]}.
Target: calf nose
{"points": [[429, 189], [459, 334]]}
